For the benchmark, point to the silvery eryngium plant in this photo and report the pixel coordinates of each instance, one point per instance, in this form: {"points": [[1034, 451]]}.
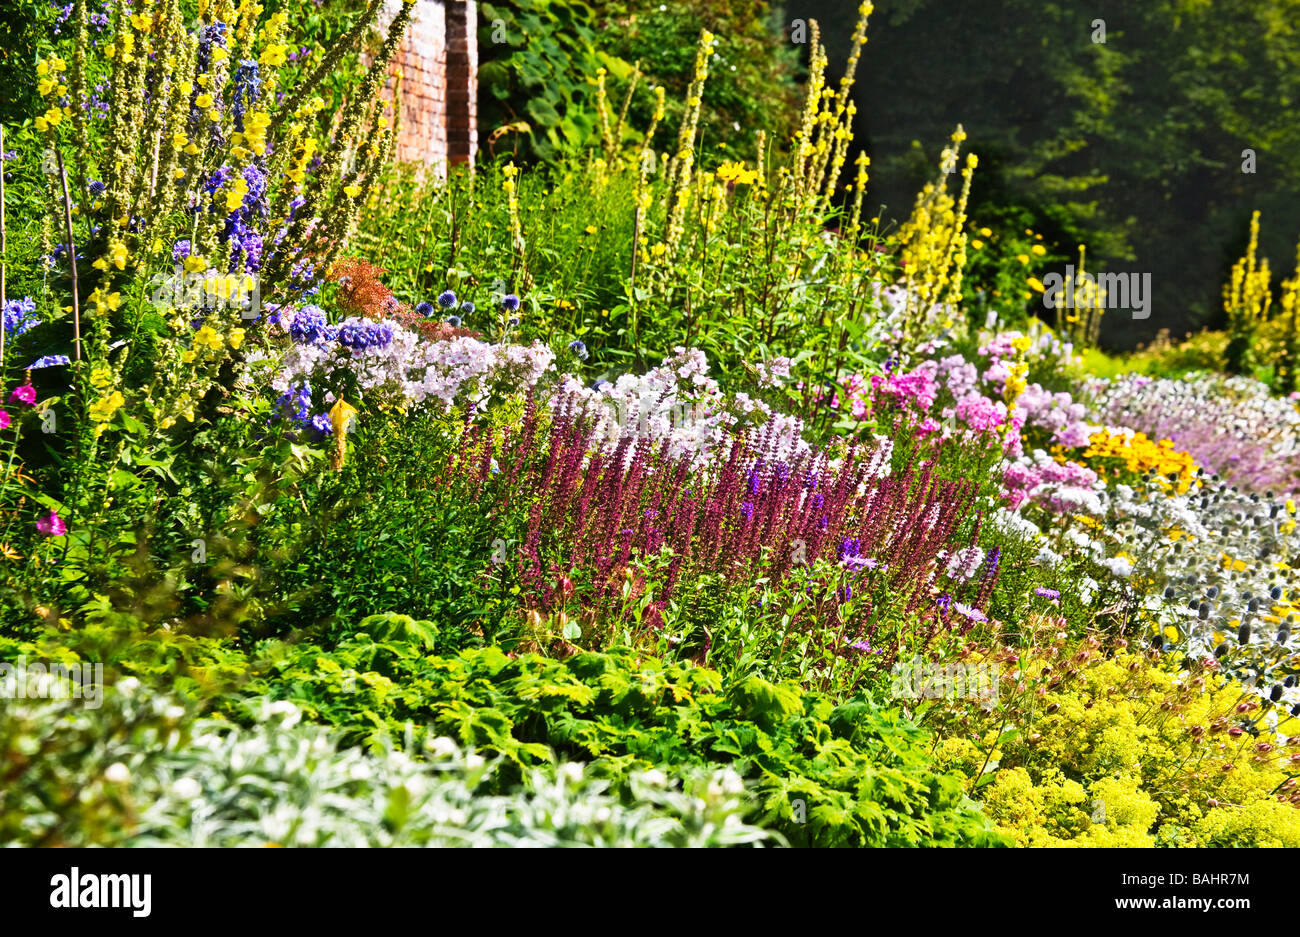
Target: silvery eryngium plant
{"points": [[217, 179]]}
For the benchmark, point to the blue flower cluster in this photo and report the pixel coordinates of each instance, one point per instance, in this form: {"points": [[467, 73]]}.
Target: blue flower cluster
{"points": [[311, 325], [361, 336], [294, 404], [19, 317], [320, 426], [248, 83], [49, 361]]}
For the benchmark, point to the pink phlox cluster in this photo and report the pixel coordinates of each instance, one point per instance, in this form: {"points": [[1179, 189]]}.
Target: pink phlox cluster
{"points": [[1059, 414], [915, 389], [1062, 488]]}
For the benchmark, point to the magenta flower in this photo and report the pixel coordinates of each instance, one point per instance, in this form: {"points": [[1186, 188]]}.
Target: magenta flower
{"points": [[4, 420], [24, 394], [52, 525]]}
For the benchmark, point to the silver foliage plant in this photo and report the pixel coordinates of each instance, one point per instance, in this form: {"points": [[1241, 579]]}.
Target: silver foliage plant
{"points": [[286, 783]]}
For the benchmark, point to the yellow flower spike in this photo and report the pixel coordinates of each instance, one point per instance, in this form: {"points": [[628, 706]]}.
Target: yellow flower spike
{"points": [[340, 415], [236, 338]]}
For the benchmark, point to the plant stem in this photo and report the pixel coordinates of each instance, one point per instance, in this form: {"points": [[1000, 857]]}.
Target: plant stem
{"points": [[72, 253]]}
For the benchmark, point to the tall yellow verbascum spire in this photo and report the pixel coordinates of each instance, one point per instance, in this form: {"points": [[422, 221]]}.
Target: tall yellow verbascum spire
{"points": [[1246, 300], [933, 242]]}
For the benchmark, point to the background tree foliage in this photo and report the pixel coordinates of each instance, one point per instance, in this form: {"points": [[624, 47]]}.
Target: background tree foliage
{"points": [[538, 62], [1133, 147]]}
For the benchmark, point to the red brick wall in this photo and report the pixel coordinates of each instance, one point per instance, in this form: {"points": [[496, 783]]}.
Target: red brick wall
{"points": [[462, 81], [439, 64]]}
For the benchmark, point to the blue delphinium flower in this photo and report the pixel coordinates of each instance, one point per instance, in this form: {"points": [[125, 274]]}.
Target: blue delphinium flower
{"points": [[19, 317], [424, 309], [454, 321], [510, 302], [248, 82], [294, 404], [579, 349], [360, 336], [310, 325], [49, 361], [320, 426], [446, 299], [180, 250]]}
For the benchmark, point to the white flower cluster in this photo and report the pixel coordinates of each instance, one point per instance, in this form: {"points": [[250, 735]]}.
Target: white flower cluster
{"points": [[678, 403], [415, 368]]}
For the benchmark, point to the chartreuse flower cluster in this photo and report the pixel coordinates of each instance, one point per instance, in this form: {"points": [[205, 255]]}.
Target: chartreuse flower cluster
{"points": [[1119, 751]]}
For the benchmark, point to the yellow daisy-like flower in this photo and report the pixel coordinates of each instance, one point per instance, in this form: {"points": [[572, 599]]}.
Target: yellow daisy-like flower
{"points": [[352, 190], [1023, 258]]}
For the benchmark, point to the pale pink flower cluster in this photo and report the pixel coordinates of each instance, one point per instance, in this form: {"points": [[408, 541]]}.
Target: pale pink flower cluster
{"points": [[1059, 414], [774, 372], [415, 369], [1039, 479]]}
